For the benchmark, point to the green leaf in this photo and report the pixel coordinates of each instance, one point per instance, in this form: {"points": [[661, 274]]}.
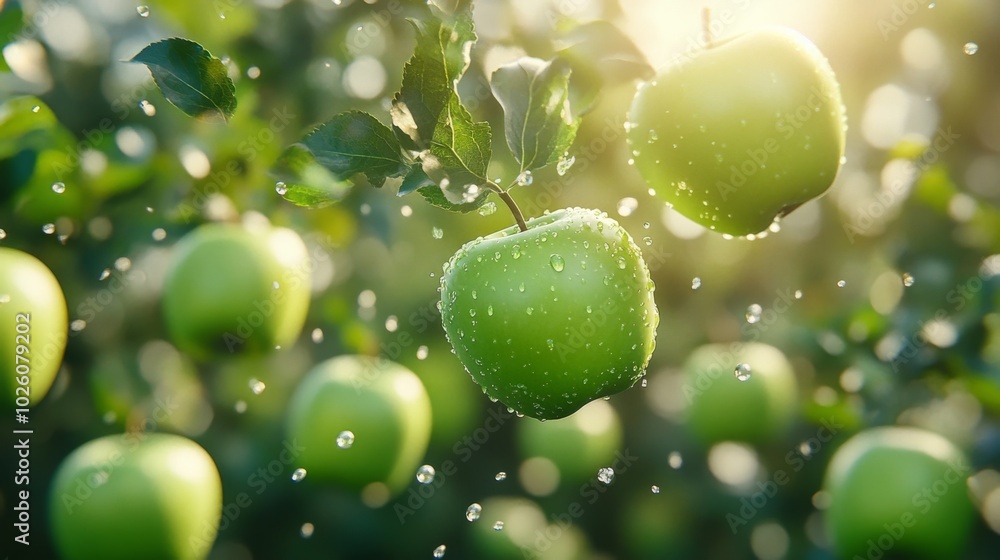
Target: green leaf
{"points": [[190, 77], [414, 180], [459, 157], [307, 183], [439, 60], [27, 123], [538, 121], [11, 22], [600, 54], [356, 142]]}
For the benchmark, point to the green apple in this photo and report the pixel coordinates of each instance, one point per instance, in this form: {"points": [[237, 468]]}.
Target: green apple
{"points": [[549, 319], [899, 493], [136, 495], [741, 132], [578, 445], [33, 329], [722, 407], [381, 403], [231, 288]]}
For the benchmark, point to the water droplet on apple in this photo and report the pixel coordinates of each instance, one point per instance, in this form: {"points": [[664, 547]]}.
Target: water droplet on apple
{"points": [[515, 251], [557, 262], [622, 263], [520, 287], [489, 310]]}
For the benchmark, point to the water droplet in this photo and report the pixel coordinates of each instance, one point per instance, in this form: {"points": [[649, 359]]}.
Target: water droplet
{"points": [[606, 475], [317, 335], [307, 530], [143, 11], [841, 283], [501, 476], [551, 344], [525, 179], [59, 187], [422, 352], [281, 188], [473, 511], [36, 108], [564, 164], [489, 310], [557, 262], [675, 460], [643, 383], [3, 234], [742, 371], [654, 489], [753, 313], [49, 229], [77, 325], [970, 48], [425, 474], [439, 551], [345, 439], [798, 294], [530, 310], [4, 298], [257, 386], [498, 526], [645, 225], [647, 240], [488, 208], [515, 251], [627, 206], [695, 283], [299, 474], [437, 233], [907, 279], [159, 234], [622, 263], [148, 108], [520, 287]]}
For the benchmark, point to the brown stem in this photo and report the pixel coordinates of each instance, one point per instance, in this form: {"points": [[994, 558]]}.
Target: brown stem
{"points": [[506, 198], [706, 25]]}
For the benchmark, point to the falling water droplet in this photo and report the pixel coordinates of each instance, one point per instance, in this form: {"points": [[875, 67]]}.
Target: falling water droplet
{"points": [[647, 240], [627, 206], [557, 262], [49, 229], [606, 475], [675, 460], [422, 352], [841, 283], [654, 489], [317, 335], [695, 283], [307, 530], [971, 48], [798, 294], [498, 526], [281, 188], [742, 371], [143, 11], [753, 313], [907, 279], [299, 474], [564, 164], [425, 474], [473, 511], [437, 233], [257, 386], [644, 382], [439, 551], [147, 108], [501, 476], [345, 439], [59, 187]]}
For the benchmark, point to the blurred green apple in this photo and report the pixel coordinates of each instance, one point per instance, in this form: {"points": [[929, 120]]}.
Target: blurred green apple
{"points": [[740, 392], [231, 288], [33, 330], [578, 445], [741, 132], [136, 495], [384, 407], [899, 493], [549, 319]]}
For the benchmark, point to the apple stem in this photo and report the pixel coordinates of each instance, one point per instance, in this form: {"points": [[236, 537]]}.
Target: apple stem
{"points": [[509, 201], [706, 25]]}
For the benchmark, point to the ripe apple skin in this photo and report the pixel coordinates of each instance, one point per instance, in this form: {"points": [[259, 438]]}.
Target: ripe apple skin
{"points": [[549, 319], [877, 482], [33, 315], [136, 495], [723, 408], [219, 295], [386, 407], [742, 132]]}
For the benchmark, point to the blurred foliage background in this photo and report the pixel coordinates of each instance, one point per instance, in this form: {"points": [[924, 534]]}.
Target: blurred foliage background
{"points": [[919, 195]]}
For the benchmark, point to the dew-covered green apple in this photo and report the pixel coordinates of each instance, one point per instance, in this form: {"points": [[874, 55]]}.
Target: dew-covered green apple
{"points": [[33, 329], [577, 445], [386, 411], [739, 392], [236, 288], [551, 318], [899, 492], [136, 495], [741, 132]]}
